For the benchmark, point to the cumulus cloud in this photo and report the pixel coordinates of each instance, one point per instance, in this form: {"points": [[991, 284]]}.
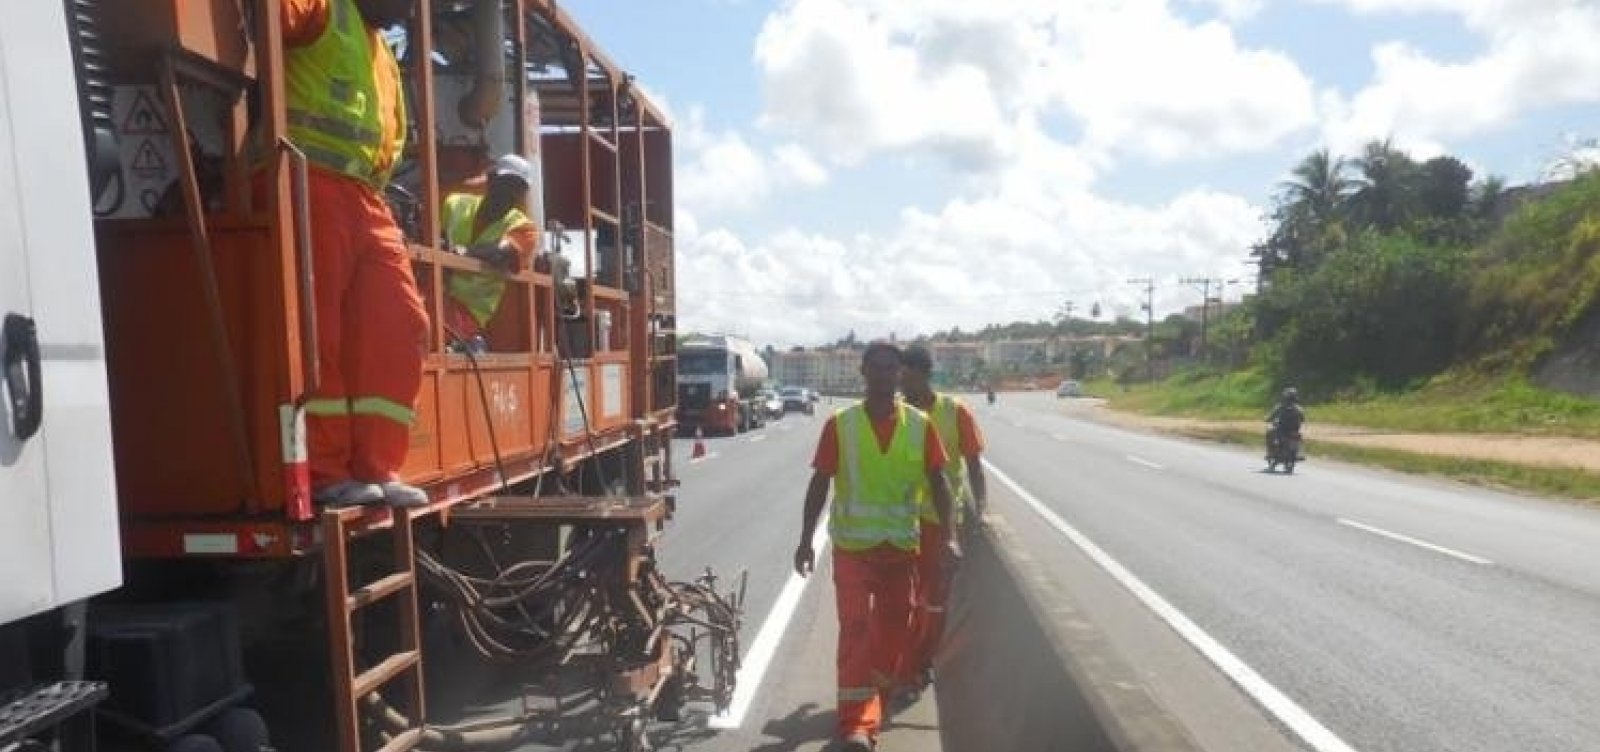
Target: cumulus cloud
{"points": [[724, 172], [969, 263], [955, 79], [1537, 53]]}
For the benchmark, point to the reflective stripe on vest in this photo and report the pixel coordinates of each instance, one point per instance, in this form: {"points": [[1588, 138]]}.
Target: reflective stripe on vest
{"points": [[334, 100], [946, 420], [876, 493], [479, 292]]}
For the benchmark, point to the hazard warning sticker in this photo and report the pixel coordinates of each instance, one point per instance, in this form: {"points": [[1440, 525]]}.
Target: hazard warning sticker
{"points": [[148, 162], [145, 117]]}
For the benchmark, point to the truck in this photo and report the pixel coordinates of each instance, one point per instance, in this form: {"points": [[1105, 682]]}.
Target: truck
{"points": [[720, 378], [164, 564]]}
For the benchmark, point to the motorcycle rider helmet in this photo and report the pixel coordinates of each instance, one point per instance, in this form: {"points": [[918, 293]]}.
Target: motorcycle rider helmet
{"points": [[1290, 394]]}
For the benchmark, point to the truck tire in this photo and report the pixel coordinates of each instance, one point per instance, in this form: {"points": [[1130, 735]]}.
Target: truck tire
{"points": [[240, 730], [193, 743]]}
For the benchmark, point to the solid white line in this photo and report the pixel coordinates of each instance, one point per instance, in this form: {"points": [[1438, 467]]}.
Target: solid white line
{"points": [[1309, 729], [755, 663], [708, 456], [758, 437], [1414, 542], [1145, 462]]}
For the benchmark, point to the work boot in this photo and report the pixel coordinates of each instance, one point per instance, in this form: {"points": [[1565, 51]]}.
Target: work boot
{"points": [[348, 493], [857, 742], [397, 494]]}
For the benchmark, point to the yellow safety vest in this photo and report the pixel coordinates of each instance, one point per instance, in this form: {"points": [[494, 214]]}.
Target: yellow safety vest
{"points": [[480, 292], [876, 493], [946, 415], [334, 99]]}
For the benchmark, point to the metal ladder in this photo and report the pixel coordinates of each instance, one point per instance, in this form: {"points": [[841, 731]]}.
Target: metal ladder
{"points": [[339, 528]]}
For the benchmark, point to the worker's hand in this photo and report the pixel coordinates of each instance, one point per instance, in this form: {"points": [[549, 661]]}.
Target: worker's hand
{"points": [[805, 559]]}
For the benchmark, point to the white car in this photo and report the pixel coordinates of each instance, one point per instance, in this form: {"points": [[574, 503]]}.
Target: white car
{"points": [[1069, 388]]}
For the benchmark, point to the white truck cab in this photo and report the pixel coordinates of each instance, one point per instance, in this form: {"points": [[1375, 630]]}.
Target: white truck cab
{"points": [[58, 514]]}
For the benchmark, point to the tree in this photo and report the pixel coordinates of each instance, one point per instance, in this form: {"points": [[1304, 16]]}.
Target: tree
{"points": [[1318, 188], [1487, 195], [1443, 188], [1386, 199]]}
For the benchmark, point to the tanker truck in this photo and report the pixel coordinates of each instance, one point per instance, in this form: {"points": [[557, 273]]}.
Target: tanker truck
{"points": [[719, 384]]}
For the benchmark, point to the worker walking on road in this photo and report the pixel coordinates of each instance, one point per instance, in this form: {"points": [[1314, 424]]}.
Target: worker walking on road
{"points": [[963, 445], [882, 456], [493, 229], [347, 115]]}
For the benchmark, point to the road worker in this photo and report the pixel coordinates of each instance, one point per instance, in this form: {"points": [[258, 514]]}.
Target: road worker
{"points": [[347, 115], [963, 445], [881, 456], [494, 229]]}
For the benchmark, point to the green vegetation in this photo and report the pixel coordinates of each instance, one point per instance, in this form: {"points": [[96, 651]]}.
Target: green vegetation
{"points": [[1561, 482], [1449, 403]]}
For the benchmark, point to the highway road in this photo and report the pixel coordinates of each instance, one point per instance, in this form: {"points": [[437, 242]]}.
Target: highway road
{"points": [[1341, 608]]}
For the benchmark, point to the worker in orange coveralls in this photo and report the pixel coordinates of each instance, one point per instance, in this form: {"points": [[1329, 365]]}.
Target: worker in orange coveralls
{"points": [[963, 445], [881, 455], [347, 115]]}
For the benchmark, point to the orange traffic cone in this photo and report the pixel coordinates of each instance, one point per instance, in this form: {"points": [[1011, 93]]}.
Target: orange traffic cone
{"points": [[699, 444]]}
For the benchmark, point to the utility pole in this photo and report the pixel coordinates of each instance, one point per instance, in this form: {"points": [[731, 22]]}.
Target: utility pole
{"points": [[1206, 300], [1149, 307]]}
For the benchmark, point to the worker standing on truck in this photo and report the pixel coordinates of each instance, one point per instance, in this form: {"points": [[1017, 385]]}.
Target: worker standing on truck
{"points": [[963, 445], [493, 229], [881, 455], [347, 114]]}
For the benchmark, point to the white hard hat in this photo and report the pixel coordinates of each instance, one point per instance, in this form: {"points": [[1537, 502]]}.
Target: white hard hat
{"points": [[512, 165]]}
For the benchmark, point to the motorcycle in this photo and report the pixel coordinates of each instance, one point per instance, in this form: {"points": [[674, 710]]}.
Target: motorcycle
{"points": [[1283, 448], [991, 396]]}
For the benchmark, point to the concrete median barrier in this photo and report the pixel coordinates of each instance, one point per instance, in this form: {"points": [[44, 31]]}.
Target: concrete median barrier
{"points": [[1023, 667]]}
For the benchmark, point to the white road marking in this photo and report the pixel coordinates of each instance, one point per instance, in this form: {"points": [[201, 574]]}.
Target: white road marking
{"points": [[703, 458], [1414, 542], [1060, 437], [1145, 462], [755, 663], [1309, 729], [758, 437]]}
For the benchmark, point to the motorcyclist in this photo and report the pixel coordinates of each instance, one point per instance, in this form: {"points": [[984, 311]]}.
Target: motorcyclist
{"points": [[1285, 419], [991, 395]]}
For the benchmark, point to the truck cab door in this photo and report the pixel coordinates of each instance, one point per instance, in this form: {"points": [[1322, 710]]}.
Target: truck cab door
{"points": [[58, 515]]}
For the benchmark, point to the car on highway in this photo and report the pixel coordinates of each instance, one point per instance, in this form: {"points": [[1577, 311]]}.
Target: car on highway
{"points": [[797, 399], [1069, 388], [771, 403]]}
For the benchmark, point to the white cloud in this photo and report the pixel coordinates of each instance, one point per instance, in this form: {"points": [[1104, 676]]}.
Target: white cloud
{"points": [[1538, 53], [956, 79], [997, 258], [720, 171], [1233, 10]]}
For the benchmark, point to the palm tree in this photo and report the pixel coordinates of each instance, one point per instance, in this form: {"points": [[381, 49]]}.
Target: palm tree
{"points": [[1487, 195], [1319, 187], [1386, 197]]}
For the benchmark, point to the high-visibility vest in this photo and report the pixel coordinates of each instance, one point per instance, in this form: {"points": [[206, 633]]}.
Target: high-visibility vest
{"points": [[479, 292], [946, 416], [876, 493], [334, 101]]}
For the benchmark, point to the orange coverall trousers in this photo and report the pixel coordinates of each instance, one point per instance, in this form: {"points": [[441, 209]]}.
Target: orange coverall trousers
{"points": [[873, 590], [928, 614], [372, 331]]}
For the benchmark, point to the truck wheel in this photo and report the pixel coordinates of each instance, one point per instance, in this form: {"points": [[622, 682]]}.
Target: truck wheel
{"points": [[193, 743], [240, 730]]}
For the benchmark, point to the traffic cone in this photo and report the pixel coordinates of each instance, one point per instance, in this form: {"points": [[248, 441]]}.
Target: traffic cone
{"points": [[699, 444]]}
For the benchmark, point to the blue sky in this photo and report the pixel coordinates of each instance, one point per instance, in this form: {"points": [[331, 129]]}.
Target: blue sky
{"points": [[883, 165]]}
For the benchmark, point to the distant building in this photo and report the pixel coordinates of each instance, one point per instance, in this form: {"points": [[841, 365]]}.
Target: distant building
{"points": [[829, 370]]}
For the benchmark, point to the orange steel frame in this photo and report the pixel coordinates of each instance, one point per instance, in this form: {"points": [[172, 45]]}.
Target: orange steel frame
{"points": [[209, 465]]}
